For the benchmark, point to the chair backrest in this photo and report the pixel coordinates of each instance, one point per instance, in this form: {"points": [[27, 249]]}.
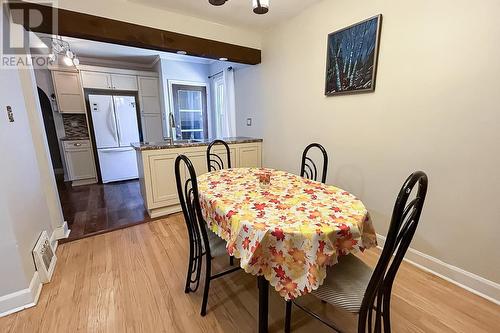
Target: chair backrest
{"points": [[308, 168], [404, 221], [187, 189], [214, 161]]}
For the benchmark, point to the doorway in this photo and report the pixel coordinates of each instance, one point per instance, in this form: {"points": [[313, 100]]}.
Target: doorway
{"points": [[50, 130]]}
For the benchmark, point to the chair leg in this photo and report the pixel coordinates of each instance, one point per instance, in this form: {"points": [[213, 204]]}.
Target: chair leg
{"points": [[231, 260], [187, 288], [208, 273], [386, 313], [288, 316]]}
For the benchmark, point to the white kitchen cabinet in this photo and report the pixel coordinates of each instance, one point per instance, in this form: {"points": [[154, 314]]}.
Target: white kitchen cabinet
{"points": [[69, 92], [249, 156], [152, 130], [80, 161], [149, 95], [157, 174], [109, 81], [163, 188], [96, 80], [124, 82]]}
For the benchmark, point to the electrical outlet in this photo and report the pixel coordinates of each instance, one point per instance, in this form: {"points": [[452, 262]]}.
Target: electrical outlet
{"points": [[249, 121], [10, 114], [74, 123]]}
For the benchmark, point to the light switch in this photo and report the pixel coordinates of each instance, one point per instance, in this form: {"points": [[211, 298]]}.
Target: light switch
{"points": [[249, 121]]}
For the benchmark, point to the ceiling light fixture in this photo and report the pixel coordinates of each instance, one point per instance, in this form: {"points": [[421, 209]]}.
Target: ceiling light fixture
{"points": [[259, 6], [61, 48], [217, 2], [223, 59], [182, 52]]}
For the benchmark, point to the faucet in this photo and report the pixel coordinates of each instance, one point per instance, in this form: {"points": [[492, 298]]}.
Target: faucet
{"points": [[171, 122]]}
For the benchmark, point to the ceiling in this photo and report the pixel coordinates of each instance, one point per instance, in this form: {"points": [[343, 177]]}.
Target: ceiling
{"points": [[91, 51], [234, 12]]}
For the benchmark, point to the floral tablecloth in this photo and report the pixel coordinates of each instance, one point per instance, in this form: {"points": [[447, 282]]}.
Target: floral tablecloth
{"points": [[289, 230]]}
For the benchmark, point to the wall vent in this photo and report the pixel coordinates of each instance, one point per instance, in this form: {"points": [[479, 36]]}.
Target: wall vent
{"points": [[45, 257]]}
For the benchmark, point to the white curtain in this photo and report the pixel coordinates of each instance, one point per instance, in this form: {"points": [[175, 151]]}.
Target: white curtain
{"points": [[229, 105]]}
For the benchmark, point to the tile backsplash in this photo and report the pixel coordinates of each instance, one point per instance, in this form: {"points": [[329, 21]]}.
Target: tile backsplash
{"points": [[75, 125]]}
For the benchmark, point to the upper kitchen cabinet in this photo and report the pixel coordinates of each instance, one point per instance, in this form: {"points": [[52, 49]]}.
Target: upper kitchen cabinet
{"points": [[149, 95], [69, 92], [100, 80]]}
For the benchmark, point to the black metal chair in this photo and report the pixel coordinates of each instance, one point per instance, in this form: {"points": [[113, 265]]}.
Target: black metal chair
{"points": [[214, 161], [308, 168], [203, 243], [357, 288]]}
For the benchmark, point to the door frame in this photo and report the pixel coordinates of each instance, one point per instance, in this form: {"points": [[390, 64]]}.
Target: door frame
{"points": [[90, 91], [171, 100]]}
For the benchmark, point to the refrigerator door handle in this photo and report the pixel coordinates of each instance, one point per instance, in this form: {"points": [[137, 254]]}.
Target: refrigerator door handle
{"points": [[112, 124], [117, 116]]}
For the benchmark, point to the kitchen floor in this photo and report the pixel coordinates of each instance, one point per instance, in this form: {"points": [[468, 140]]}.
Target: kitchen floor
{"points": [[98, 208]]}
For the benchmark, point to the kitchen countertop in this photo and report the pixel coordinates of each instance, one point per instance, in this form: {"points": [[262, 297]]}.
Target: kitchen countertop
{"points": [[67, 138], [196, 143]]}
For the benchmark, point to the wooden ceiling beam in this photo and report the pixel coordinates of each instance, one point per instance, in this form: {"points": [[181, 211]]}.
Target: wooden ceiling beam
{"points": [[85, 26]]}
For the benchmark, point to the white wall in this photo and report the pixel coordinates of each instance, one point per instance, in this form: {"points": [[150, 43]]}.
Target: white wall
{"points": [[25, 212], [134, 12], [435, 108]]}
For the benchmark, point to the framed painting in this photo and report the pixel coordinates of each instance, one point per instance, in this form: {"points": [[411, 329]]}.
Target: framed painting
{"points": [[351, 58]]}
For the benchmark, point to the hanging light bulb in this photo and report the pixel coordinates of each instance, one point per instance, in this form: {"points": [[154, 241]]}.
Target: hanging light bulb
{"points": [[67, 61], [69, 54], [260, 6], [76, 61]]}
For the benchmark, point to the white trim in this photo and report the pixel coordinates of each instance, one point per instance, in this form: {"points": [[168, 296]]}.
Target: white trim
{"points": [[59, 233], [21, 299], [474, 283], [111, 70]]}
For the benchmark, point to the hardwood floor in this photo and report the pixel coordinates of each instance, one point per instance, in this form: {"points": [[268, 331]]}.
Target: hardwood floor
{"points": [[97, 208], [132, 280]]}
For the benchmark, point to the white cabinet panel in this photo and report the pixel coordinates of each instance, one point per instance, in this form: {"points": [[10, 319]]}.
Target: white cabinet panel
{"points": [[162, 181], [148, 86], [152, 130], [150, 105], [79, 160], [124, 82], [249, 156], [69, 92], [199, 160], [96, 80]]}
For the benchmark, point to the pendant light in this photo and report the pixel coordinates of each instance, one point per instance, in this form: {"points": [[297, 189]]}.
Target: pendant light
{"points": [[260, 6]]}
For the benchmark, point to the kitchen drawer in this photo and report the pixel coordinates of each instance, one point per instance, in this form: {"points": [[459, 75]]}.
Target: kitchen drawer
{"points": [[76, 144]]}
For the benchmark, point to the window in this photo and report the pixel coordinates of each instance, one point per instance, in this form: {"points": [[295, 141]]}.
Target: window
{"points": [[190, 111], [219, 103]]}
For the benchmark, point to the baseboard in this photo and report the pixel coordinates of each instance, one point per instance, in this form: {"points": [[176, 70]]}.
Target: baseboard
{"points": [[59, 233], [21, 299], [466, 280]]}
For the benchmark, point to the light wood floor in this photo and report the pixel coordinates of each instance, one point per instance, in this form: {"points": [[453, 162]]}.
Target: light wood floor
{"points": [[131, 280]]}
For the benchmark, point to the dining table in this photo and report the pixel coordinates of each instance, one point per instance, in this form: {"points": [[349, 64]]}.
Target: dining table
{"points": [[286, 230]]}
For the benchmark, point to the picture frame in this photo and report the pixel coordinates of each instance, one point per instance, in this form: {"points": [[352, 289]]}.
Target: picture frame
{"points": [[352, 57]]}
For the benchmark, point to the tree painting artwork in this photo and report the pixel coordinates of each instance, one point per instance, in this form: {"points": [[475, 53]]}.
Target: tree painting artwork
{"points": [[352, 58]]}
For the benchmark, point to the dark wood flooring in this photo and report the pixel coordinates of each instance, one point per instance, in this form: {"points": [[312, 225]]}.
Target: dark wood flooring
{"points": [[98, 208]]}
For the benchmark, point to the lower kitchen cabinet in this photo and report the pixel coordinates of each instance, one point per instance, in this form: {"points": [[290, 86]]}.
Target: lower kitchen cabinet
{"points": [[80, 162], [157, 176]]}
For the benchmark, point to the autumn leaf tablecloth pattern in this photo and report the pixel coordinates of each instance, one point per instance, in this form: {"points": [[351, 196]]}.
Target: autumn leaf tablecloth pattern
{"points": [[290, 230]]}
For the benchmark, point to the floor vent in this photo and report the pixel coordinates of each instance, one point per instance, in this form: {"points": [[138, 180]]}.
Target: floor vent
{"points": [[45, 257]]}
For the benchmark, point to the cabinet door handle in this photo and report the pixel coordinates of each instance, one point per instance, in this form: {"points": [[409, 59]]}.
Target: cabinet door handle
{"points": [[77, 144]]}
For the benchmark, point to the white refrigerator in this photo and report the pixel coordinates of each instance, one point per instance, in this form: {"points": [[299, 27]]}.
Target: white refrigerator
{"points": [[114, 119]]}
